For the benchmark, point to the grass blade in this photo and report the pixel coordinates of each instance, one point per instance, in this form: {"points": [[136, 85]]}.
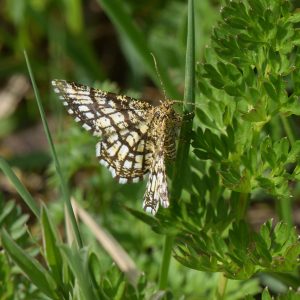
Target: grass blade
{"points": [[37, 274], [23, 192], [183, 147], [50, 240], [78, 263], [110, 245], [64, 187]]}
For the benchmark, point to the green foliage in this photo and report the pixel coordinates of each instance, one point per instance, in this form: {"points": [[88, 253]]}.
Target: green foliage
{"points": [[244, 84], [290, 295], [12, 282], [68, 271], [244, 147], [253, 62], [247, 83]]}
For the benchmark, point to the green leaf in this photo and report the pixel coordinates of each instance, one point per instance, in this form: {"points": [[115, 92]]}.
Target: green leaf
{"points": [[36, 272], [144, 217], [19, 187], [295, 18], [213, 74], [281, 149], [255, 114], [267, 152], [52, 252], [291, 106], [266, 295], [294, 154], [78, 262], [271, 91]]}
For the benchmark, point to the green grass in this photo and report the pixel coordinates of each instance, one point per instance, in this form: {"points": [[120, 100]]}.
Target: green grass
{"points": [[242, 148]]}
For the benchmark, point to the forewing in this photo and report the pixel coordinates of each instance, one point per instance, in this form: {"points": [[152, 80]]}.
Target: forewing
{"points": [[157, 187], [127, 154], [100, 112]]}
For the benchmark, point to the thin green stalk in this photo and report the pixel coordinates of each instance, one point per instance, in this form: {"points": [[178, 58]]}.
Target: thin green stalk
{"points": [[221, 290], [4, 166], [64, 187], [287, 129], [184, 138], [284, 205], [284, 208], [243, 203], [164, 270]]}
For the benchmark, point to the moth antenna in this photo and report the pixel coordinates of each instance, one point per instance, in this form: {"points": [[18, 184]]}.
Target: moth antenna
{"points": [[158, 75], [190, 103], [162, 85]]}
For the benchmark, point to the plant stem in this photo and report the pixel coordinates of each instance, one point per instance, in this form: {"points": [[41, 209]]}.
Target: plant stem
{"points": [[287, 129], [183, 147], [221, 290], [64, 187], [284, 205], [164, 270], [242, 206]]}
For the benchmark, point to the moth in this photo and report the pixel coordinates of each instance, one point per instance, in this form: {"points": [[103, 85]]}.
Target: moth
{"points": [[136, 137]]}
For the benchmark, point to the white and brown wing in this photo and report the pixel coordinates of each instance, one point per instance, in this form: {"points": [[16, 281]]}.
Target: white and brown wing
{"points": [[100, 112], [121, 121], [136, 136], [157, 186]]}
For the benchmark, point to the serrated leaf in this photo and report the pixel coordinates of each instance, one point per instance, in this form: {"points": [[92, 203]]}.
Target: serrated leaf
{"points": [[267, 152], [271, 91], [214, 75], [291, 106], [204, 88], [255, 114], [232, 90], [295, 18], [294, 154], [262, 250], [282, 233], [281, 149], [236, 22], [222, 68]]}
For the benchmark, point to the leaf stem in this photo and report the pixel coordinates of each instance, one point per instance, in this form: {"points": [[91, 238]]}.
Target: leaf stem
{"points": [[221, 290], [163, 280]]}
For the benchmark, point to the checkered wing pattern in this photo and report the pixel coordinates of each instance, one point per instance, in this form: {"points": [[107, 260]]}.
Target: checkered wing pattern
{"points": [[136, 136], [157, 186], [120, 120]]}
